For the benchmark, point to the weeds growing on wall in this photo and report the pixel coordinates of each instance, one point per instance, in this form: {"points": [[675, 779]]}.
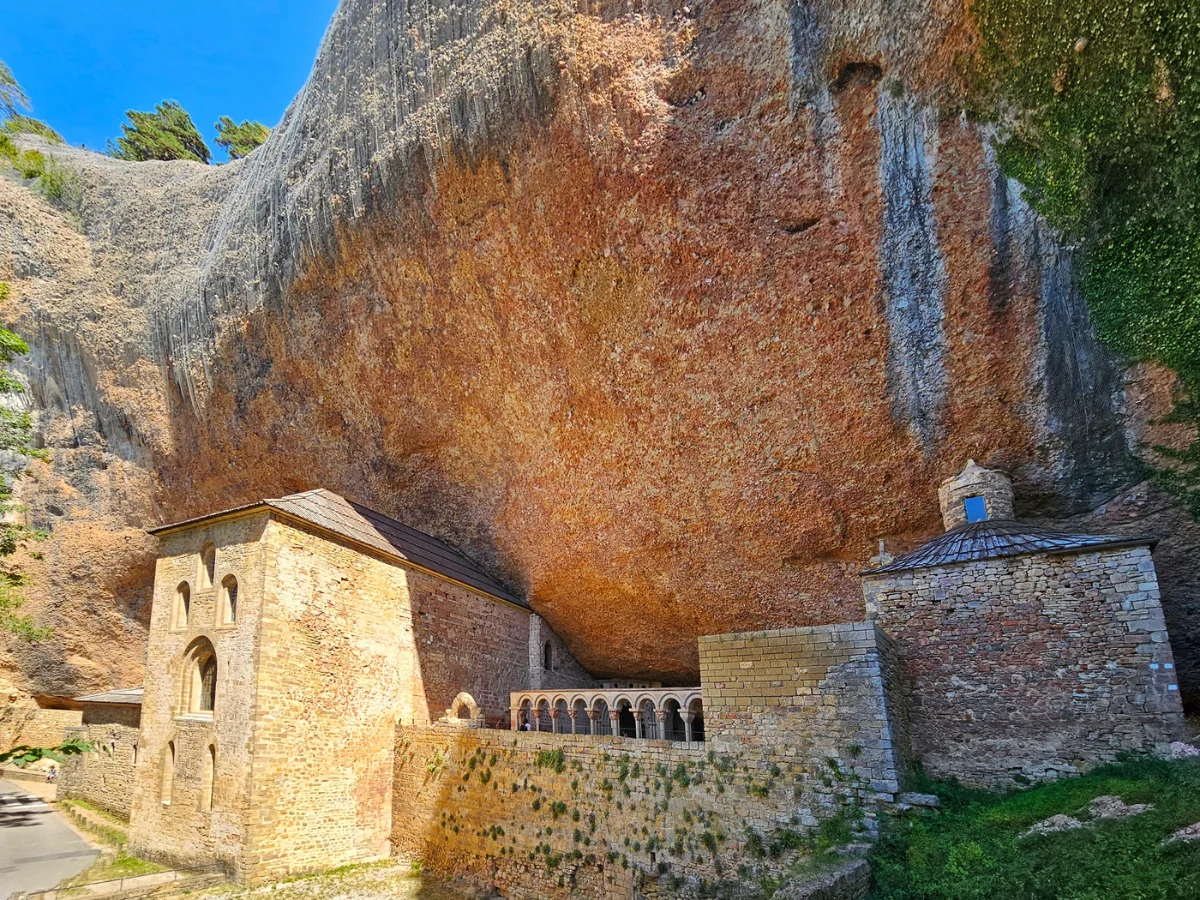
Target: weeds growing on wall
{"points": [[1099, 106]]}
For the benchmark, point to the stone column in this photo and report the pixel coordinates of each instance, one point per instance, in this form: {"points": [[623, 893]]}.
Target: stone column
{"points": [[687, 715], [593, 717], [514, 713], [554, 726], [614, 720], [574, 714], [637, 724]]}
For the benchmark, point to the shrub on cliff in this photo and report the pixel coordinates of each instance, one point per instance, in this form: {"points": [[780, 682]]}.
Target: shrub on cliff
{"points": [[16, 431], [22, 124], [980, 848], [167, 133]]}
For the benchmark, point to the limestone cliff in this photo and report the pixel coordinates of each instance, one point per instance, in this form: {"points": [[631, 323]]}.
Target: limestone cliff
{"points": [[665, 313]]}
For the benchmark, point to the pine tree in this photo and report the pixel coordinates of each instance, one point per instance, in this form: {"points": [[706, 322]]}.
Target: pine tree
{"points": [[12, 96], [166, 133], [240, 140], [13, 99]]}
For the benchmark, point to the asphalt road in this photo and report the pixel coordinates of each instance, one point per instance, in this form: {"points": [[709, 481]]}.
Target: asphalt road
{"points": [[37, 848]]}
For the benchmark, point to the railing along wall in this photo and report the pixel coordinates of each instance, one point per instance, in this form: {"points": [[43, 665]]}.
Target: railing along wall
{"points": [[672, 714]]}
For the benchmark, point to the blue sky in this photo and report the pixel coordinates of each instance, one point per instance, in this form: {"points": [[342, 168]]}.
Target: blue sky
{"points": [[84, 62]]}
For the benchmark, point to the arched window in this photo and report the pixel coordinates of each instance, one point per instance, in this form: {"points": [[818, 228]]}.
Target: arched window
{"points": [[464, 707], [562, 721], [208, 566], [208, 684], [229, 598], [199, 678], [548, 657], [626, 724], [671, 722], [183, 606], [697, 710], [208, 779], [525, 719], [579, 715], [603, 720], [168, 773], [649, 720]]}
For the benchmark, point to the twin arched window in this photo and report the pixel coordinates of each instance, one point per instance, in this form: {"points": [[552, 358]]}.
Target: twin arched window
{"points": [[208, 776], [181, 610]]}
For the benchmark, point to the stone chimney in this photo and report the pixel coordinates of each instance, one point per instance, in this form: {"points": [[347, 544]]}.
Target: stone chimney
{"points": [[974, 494]]}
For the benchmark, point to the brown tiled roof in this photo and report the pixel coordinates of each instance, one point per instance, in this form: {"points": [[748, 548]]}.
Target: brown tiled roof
{"points": [[334, 513], [995, 538], [123, 697]]}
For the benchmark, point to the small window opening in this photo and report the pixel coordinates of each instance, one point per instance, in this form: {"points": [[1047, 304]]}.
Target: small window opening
{"points": [[976, 509], [208, 779], [183, 605], [548, 657], [208, 565], [135, 754], [168, 773], [229, 598]]}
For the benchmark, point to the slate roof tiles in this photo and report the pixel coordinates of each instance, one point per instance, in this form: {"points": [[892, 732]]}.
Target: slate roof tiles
{"points": [[334, 513], [996, 538]]}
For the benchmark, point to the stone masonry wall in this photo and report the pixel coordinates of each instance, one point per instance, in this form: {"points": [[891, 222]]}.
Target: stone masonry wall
{"points": [[35, 727], [801, 696], [565, 672], [799, 735], [335, 675], [127, 714], [540, 815], [1031, 667], [466, 642], [181, 832], [103, 778]]}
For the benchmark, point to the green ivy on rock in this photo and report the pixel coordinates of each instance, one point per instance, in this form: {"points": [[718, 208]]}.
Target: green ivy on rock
{"points": [[1098, 103]]}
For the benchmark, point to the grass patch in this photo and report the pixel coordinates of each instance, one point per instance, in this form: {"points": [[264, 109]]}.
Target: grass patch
{"points": [[974, 850], [111, 866], [103, 813]]}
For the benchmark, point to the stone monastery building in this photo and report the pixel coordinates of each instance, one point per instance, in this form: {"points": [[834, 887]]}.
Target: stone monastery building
{"points": [[325, 685]]}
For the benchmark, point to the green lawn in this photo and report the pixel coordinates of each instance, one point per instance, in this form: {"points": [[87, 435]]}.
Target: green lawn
{"points": [[974, 850]]}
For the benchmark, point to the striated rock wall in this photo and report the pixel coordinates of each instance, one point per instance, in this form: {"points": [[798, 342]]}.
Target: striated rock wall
{"points": [[663, 312]]}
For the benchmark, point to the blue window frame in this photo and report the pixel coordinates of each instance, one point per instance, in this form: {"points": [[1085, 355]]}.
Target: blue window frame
{"points": [[976, 509]]}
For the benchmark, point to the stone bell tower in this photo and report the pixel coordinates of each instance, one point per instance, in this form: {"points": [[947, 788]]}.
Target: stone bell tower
{"points": [[975, 494]]}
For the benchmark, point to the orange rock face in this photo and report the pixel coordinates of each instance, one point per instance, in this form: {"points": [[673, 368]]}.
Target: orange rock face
{"points": [[672, 359]]}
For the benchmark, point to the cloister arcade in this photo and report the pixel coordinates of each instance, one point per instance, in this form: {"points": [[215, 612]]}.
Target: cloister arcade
{"points": [[669, 714]]}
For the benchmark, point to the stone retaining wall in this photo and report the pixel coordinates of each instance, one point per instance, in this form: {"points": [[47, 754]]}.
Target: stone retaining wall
{"points": [[105, 777], [800, 697], [800, 735], [35, 727]]}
